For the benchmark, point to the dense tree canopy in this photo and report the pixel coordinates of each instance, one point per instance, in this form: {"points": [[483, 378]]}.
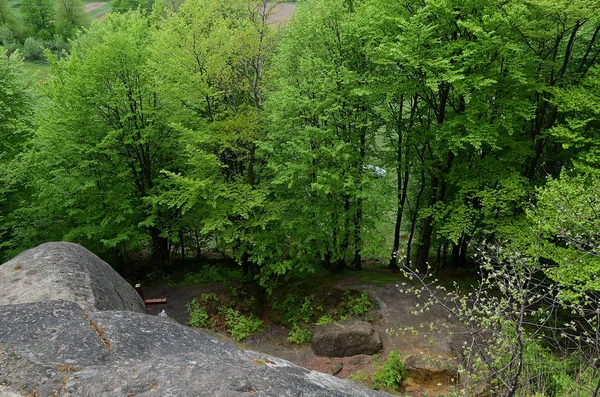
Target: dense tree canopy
{"points": [[37, 16], [410, 133], [409, 130], [17, 103]]}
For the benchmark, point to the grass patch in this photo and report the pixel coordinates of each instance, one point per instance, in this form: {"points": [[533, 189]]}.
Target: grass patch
{"points": [[15, 6], [220, 273], [377, 276], [38, 70]]}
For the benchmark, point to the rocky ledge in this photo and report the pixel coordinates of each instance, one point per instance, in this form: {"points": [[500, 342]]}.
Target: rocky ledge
{"points": [[74, 344]]}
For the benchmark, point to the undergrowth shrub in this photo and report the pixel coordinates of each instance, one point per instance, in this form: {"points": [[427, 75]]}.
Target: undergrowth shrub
{"points": [[390, 374], [32, 49], [197, 315], [361, 305], [239, 325], [326, 319], [299, 335]]}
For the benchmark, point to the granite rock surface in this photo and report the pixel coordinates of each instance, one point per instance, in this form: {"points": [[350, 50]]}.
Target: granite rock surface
{"points": [[66, 271], [71, 326]]}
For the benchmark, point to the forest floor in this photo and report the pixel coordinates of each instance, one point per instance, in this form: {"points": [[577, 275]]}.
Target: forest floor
{"points": [[394, 313]]}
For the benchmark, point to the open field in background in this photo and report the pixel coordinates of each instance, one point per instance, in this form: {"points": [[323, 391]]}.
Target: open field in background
{"points": [[15, 5], [282, 12], [39, 70], [97, 9]]}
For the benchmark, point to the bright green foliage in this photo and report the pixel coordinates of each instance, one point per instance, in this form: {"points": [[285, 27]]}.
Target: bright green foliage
{"points": [[37, 17], [197, 316], [32, 49], [218, 56], [16, 107], [357, 306], [296, 310], [240, 326], [391, 373], [123, 6], [565, 218], [321, 132], [102, 144], [565, 228], [299, 335], [8, 19], [17, 103], [70, 16], [327, 319]]}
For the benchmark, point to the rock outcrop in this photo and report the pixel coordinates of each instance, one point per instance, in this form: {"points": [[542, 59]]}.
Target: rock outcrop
{"points": [[55, 348], [66, 271], [346, 338], [60, 347]]}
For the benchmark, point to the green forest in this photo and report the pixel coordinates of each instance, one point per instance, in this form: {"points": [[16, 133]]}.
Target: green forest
{"points": [[419, 134]]}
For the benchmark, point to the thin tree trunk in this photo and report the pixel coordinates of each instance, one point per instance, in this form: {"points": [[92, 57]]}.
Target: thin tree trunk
{"points": [[181, 242], [197, 238], [357, 237], [415, 214]]}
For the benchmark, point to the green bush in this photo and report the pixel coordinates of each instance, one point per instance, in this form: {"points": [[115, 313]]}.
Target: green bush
{"points": [[358, 306], [238, 325], [299, 335], [197, 315], [209, 297], [295, 311], [361, 305], [6, 36], [58, 46], [326, 319], [391, 373], [32, 49]]}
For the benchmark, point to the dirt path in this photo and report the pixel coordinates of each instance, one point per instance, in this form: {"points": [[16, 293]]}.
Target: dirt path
{"points": [[394, 314], [89, 7]]}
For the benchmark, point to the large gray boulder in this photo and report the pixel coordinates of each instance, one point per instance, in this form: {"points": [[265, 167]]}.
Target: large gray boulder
{"points": [[346, 338], [66, 271], [56, 348]]}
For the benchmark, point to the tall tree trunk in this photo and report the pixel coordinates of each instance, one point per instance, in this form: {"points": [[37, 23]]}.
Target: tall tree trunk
{"points": [[437, 194], [160, 248], [358, 214], [402, 191], [425, 240], [415, 214], [182, 243], [356, 263], [197, 239]]}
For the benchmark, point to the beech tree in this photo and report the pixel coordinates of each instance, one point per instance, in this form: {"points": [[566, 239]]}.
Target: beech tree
{"points": [[103, 142], [70, 16], [321, 134], [17, 102], [219, 53], [37, 17], [7, 17]]}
